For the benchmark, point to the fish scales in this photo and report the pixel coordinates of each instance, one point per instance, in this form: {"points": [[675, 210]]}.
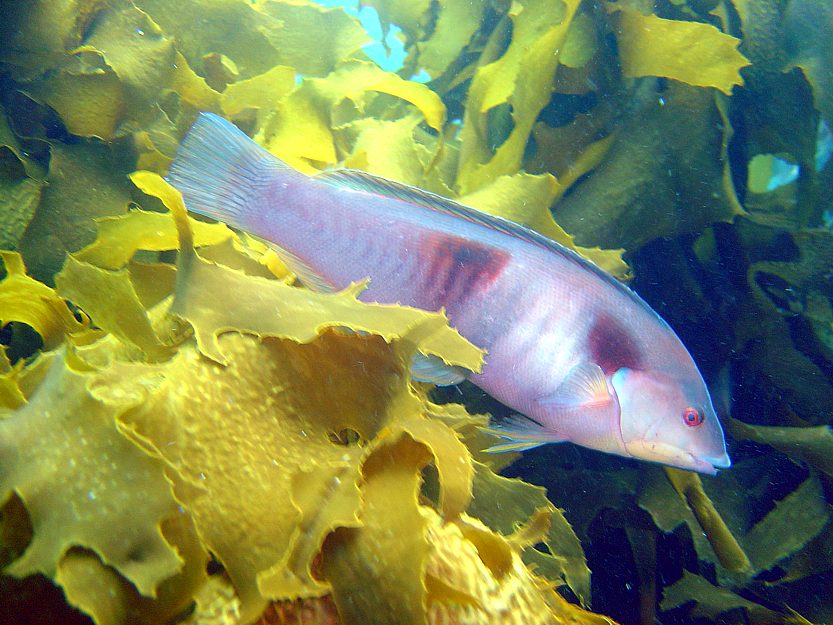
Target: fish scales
{"points": [[577, 353]]}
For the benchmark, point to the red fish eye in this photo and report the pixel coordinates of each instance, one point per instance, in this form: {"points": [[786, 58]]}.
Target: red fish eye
{"points": [[692, 417]]}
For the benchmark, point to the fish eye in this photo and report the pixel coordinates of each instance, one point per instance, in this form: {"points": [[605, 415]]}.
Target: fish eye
{"points": [[692, 417]]}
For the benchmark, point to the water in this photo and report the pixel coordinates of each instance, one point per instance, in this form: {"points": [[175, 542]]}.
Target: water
{"points": [[192, 436]]}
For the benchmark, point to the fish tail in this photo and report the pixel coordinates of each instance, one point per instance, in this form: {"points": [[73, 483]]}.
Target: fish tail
{"points": [[222, 173]]}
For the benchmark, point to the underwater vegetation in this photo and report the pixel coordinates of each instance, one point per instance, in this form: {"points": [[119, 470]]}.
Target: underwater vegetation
{"points": [[186, 435]]}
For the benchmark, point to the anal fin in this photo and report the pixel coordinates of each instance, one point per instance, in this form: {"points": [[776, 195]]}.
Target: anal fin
{"points": [[516, 446], [522, 432]]}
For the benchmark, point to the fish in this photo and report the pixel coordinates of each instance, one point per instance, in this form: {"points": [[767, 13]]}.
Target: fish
{"points": [[577, 355]]}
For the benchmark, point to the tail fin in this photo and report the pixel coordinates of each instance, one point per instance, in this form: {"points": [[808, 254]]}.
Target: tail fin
{"points": [[222, 173]]}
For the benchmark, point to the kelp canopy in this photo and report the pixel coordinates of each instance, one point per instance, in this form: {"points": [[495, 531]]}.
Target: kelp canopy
{"points": [[187, 436]]}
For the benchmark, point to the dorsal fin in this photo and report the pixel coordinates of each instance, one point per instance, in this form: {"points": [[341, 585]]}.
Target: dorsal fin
{"points": [[369, 183], [377, 185]]}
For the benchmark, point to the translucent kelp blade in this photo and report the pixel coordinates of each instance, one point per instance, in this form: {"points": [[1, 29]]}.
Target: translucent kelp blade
{"points": [[28, 301], [692, 52], [70, 495]]}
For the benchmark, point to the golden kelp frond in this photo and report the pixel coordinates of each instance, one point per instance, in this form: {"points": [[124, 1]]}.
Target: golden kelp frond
{"points": [[28, 301], [473, 576], [391, 149], [119, 238], [259, 92], [300, 131], [691, 52], [192, 88], [359, 561], [138, 52], [453, 29], [21, 181], [18, 200], [109, 297], [503, 504], [464, 557], [11, 395], [64, 219], [103, 593], [806, 25], [275, 469], [813, 445], [711, 601], [742, 545], [313, 39], [764, 330], [75, 472], [520, 81], [794, 522], [246, 44], [118, 72], [237, 434], [412, 17], [451, 459], [460, 571]]}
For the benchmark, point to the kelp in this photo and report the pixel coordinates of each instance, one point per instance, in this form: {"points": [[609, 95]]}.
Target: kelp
{"points": [[77, 473], [553, 114], [778, 289], [20, 187], [691, 52], [63, 220], [689, 486], [630, 196], [28, 301]]}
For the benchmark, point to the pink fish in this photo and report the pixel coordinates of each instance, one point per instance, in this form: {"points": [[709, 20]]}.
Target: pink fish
{"points": [[577, 354]]}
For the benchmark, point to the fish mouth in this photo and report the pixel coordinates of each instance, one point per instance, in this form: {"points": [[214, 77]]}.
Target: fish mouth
{"points": [[664, 453]]}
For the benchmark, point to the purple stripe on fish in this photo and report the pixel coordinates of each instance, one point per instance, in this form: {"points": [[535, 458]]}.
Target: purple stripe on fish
{"points": [[458, 268], [612, 346]]}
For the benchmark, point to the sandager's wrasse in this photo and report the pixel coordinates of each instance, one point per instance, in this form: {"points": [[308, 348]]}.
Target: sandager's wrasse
{"points": [[576, 353]]}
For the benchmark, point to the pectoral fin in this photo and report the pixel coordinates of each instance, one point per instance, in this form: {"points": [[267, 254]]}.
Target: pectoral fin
{"points": [[428, 368], [584, 386], [584, 397]]}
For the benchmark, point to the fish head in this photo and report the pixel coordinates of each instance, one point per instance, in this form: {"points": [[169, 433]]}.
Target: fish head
{"points": [[665, 420]]}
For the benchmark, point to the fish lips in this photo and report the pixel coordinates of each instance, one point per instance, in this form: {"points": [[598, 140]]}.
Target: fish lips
{"points": [[664, 453]]}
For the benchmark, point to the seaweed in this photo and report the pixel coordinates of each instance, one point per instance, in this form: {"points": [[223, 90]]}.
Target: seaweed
{"points": [[147, 386]]}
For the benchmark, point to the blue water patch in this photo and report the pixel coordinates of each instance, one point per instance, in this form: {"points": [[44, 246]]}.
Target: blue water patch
{"points": [[386, 50], [784, 172], [824, 145]]}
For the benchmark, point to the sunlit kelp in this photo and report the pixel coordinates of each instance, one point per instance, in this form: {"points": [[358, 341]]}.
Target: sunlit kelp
{"points": [[549, 113]]}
